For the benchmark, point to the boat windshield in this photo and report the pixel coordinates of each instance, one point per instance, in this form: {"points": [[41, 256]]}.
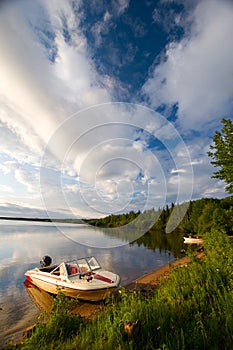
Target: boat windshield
{"points": [[94, 265], [60, 270], [83, 266], [74, 267]]}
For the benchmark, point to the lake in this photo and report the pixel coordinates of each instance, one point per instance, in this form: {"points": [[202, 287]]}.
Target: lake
{"points": [[23, 244]]}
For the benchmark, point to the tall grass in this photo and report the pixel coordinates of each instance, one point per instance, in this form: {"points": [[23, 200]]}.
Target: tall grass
{"points": [[190, 310]]}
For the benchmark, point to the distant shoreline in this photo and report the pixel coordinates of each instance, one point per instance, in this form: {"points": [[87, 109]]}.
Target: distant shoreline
{"points": [[72, 221]]}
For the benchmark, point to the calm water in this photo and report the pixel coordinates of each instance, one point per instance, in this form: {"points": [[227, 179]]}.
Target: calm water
{"points": [[23, 244]]}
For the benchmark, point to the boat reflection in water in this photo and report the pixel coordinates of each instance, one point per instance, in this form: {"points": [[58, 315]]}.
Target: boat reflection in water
{"points": [[41, 299], [44, 301]]}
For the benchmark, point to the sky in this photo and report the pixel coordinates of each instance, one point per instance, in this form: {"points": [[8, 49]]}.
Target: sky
{"points": [[108, 106]]}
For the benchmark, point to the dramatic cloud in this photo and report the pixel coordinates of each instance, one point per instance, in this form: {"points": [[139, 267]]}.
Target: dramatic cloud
{"points": [[110, 157], [197, 71]]}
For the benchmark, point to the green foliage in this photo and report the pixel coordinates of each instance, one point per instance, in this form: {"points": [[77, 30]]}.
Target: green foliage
{"points": [[221, 220], [205, 220], [219, 255], [114, 220], [222, 154], [62, 326]]}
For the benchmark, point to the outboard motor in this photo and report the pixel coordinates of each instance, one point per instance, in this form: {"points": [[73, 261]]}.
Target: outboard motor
{"points": [[45, 261]]}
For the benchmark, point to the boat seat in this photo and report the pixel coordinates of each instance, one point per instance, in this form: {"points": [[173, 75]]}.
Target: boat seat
{"points": [[72, 269]]}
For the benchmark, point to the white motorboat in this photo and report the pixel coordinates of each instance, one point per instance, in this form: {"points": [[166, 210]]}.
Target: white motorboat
{"points": [[80, 278], [193, 240]]}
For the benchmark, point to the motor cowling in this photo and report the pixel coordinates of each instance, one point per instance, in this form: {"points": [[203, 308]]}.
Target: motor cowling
{"points": [[46, 261]]}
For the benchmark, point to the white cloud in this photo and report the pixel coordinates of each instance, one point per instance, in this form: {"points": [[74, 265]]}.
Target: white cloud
{"points": [[101, 27], [5, 169], [197, 72], [177, 171], [26, 81], [203, 184], [18, 140], [119, 6], [4, 188], [28, 178], [107, 16]]}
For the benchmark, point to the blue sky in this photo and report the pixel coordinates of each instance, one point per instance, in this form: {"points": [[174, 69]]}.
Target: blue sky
{"points": [[110, 106]]}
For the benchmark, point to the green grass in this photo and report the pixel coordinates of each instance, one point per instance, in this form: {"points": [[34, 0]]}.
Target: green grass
{"points": [[191, 310]]}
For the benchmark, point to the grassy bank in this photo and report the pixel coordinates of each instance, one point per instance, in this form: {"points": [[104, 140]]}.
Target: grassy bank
{"points": [[190, 310]]}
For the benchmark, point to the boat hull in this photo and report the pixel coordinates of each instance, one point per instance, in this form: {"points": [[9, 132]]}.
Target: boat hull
{"points": [[56, 287]]}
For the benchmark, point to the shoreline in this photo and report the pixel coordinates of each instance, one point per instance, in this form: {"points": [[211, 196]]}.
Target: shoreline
{"points": [[152, 279]]}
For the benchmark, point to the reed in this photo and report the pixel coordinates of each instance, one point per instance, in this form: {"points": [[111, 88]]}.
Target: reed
{"points": [[190, 310]]}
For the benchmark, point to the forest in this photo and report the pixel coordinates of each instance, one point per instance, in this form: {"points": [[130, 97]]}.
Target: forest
{"points": [[200, 216]]}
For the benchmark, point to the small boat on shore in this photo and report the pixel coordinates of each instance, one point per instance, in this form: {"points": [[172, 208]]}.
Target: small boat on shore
{"points": [[193, 240], [80, 278]]}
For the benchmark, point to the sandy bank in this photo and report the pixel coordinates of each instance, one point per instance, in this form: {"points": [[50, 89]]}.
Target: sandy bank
{"points": [[152, 279]]}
